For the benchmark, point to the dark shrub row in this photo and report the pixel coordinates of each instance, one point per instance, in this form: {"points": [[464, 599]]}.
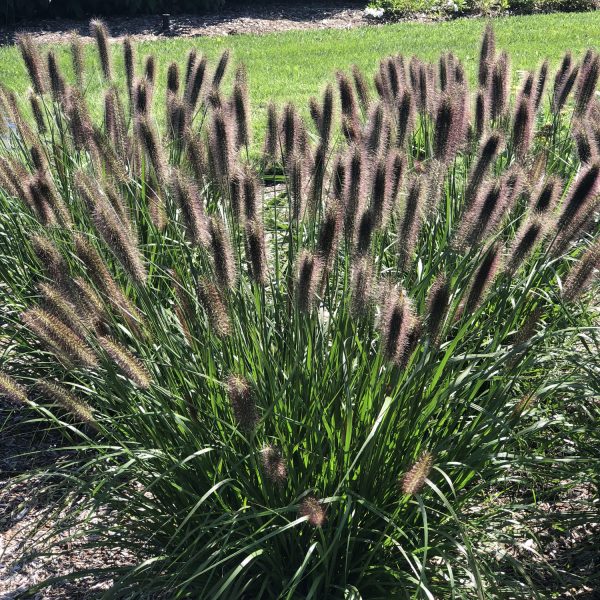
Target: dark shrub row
{"points": [[12, 10]]}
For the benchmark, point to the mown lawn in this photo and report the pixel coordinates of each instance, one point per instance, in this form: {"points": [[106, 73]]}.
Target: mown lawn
{"points": [[294, 65]]}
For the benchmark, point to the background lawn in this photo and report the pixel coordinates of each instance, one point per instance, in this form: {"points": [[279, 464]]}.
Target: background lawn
{"points": [[295, 65]]}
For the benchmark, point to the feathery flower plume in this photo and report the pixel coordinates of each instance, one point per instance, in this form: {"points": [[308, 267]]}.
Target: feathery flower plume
{"points": [[583, 192], [373, 135], [395, 321], [309, 275], [156, 207], [313, 510], [256, 252], [483, 278], [222, 254], [338, 177], [447, 137], [100, 33], [79, 120], [290, 123], [38, 114], [581, 276], [141, 97], [150, 143], [486, 54], [523, 123], [58, 303], [512, 183], [192, 210], [297, 183], [57, 81], [127, 363], [480, 115], [58, 394], [361, 287], [129, 60], [41, 208], [251, 195], [242, 402], [364, 232], [585, 151], [220, 145], [586, 84], [117, 236], [45, 187], [547, 196], [329, 233], [499, 87], [353, 193], [195, 85], [410, 224], [414, 480], [327, 116], [273, 464], [530, 233], [362, 89], [216, 311], [59, 337], [33, 62], [10, 389], [562, 74], [405, 118], [177, 117], [488, 153], [540, 86], [562, 94], [150, 70], [316, 113], [192, 57], [220, 70], [86, 300], [241, 108], [395, 170], [380, 193], [52, 261], [77, 58], [196, 155], [347, 98], [173, 78], [104, 281], [271, 137], [437, 305]]}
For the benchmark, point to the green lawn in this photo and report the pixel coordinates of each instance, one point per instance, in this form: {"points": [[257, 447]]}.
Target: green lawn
{"points": [[295, 65]]}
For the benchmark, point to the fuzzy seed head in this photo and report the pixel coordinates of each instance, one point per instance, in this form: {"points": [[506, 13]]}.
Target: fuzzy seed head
{"points": [[242, 402], [11, 390], [313, 510], [211, 300], [414, 480], [273, 464]]}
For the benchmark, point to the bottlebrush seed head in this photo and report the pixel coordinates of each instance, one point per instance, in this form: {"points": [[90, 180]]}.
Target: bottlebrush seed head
{"points": [[585, 150], [127, 363], [273, 464], [129, 60], [327, 116], [150, 69], [100, 33], [195, 85], [79, 120], [251, 195], [67, 401], [222, 254], [33, 62], [315, 112], [256, 252], [586, 84], [221, 145], [410, 223], [487, 54], [38, 114], [483, 278], [272, 135], [437, 305], [562, 94], [380, 193], [297, 182], [329, 233], [499, 87], [221, 68], [214, 306], [526, 240], [582, 275], [10, 389], [362, 89], [395, 172], [173, 78], [51, 259], [405, 118], [309, 275], [57, 81], [190, 63], [447, 130], [192, 209], [394, 325], [362, 289], [313, 510], [487, 154], [373, 135], [540, 86], [414, 480], [241, 108], [141, 97], [523, 123], [347, 98], [547, 195], [57, 302], [583, 192], [242, 402], [77, 58]]}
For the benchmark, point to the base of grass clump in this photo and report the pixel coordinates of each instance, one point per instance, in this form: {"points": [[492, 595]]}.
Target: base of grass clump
{"points": [[300, 375]]}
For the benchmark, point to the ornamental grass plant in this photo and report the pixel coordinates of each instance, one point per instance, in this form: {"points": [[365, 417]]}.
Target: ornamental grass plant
{"points": [[324, 370]]}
